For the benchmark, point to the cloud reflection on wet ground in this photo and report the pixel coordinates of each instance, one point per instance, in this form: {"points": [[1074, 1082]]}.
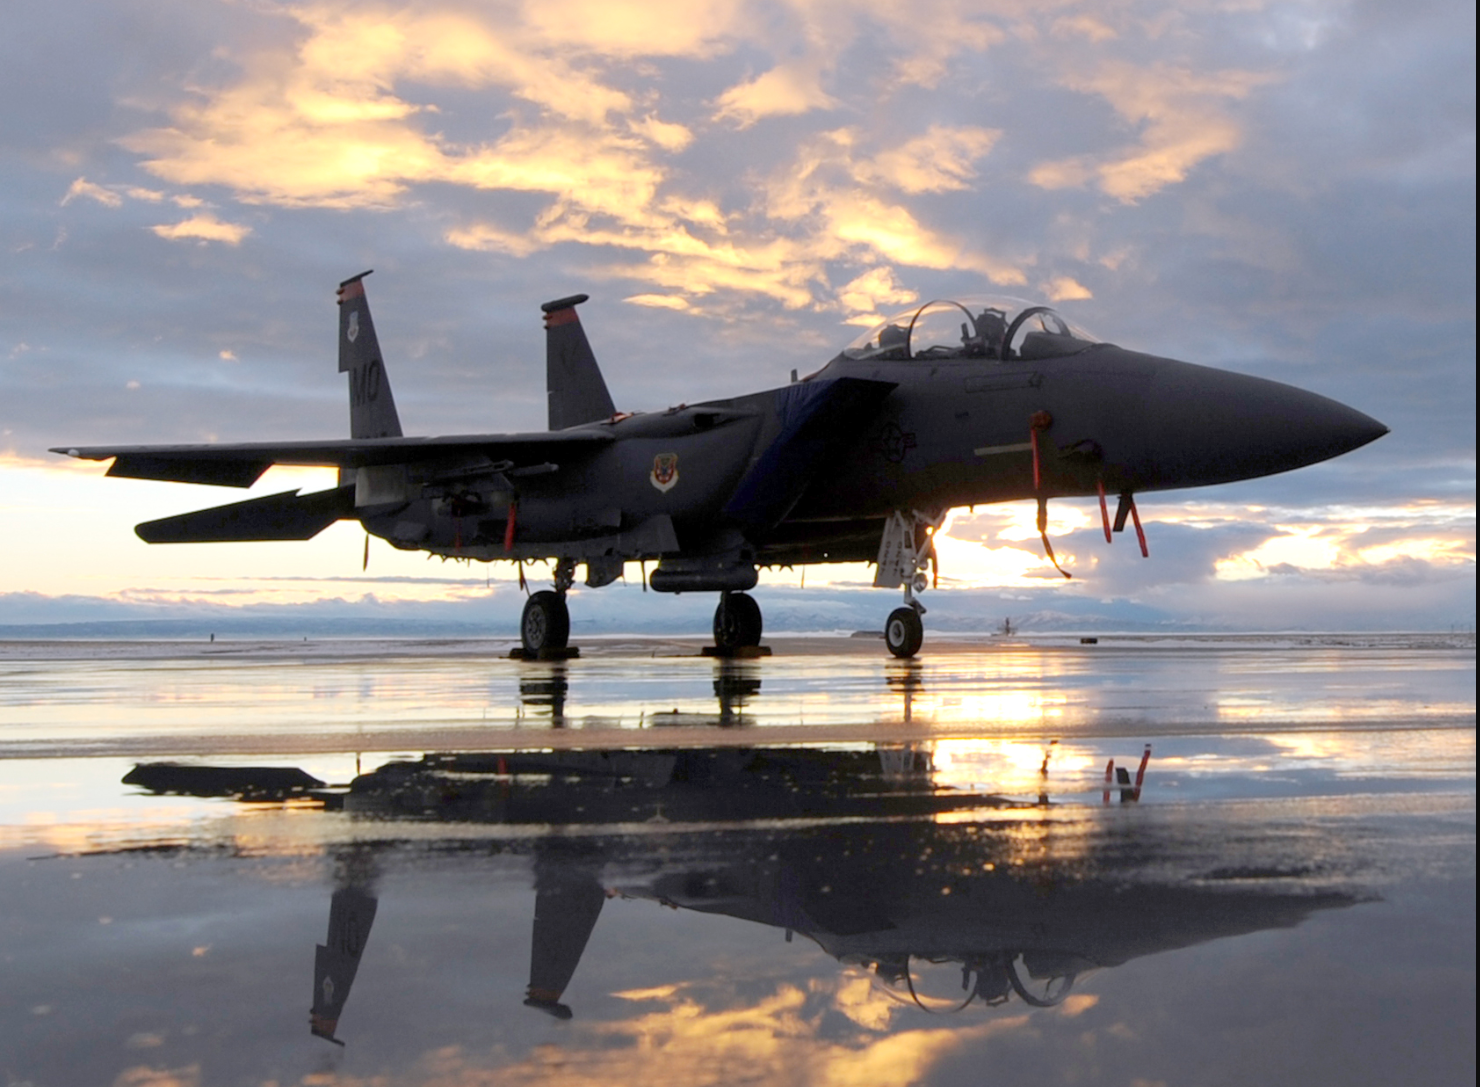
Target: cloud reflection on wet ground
{"points": [[815, 868]]}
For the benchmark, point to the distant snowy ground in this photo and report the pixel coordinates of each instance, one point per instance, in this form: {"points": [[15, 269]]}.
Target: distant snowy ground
{"points": [[492, 610], [100, 643]]}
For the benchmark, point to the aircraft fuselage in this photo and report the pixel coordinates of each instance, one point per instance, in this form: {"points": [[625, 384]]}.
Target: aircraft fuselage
{"points": [[949, 404]]}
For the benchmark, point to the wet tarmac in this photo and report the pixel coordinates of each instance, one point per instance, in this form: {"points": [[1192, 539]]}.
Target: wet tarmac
{"points": [[1146, 860]]}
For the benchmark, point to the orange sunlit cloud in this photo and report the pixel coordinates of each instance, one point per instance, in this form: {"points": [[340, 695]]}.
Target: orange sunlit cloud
{"points": [[334, 121], [204, 228], [1180, 117], [747, 174], [1339, 548], [775, 1038], [790, 88]]}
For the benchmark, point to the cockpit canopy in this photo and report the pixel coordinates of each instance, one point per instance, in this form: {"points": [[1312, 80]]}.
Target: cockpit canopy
{"points": [[973, 328]]}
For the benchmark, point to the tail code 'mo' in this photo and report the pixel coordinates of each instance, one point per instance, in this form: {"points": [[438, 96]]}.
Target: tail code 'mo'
{"points": [[372, 409]]}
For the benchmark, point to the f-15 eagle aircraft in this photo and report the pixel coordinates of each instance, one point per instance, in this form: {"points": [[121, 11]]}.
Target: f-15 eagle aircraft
{"points": [[953, 403]]}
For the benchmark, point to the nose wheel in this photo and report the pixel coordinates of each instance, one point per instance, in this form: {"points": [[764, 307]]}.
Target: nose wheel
{"points": [[904, 633], [545, 623], [737, 621], [907, 560]]}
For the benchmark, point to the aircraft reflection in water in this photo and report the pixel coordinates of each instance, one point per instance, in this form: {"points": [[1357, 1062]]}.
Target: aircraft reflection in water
{"points": [[862, 850], [858, 850], [543, 695]]}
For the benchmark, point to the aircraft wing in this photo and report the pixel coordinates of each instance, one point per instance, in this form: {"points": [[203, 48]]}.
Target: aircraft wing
{"points": [[241, 464]]}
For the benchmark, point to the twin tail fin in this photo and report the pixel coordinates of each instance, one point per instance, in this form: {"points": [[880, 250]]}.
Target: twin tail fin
{"points": [[372, 408], [573, 382]]}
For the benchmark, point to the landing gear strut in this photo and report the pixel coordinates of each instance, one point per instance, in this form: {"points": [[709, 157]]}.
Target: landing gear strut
{"points": [[737, 621], [906, 552], [545, 623]]}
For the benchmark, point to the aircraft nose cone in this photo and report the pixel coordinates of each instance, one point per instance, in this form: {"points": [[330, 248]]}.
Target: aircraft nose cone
{"points": [[1212, 426]]}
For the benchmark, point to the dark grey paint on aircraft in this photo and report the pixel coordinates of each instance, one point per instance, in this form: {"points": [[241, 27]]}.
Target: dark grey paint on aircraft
{"points": [[858, 461]]}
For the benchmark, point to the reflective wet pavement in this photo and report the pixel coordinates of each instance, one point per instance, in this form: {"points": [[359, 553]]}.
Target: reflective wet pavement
{"points": [[821, 867]]}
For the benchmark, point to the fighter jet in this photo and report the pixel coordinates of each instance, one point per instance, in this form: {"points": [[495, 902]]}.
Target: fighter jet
{"points": [[952, 403]]}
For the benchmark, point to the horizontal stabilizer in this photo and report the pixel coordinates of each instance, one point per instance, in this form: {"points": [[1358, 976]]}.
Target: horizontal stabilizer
{"points": [[818, 418], [286, 516], [239, 464], [248, 782]]}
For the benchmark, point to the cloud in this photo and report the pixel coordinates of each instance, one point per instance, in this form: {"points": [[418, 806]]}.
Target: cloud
{"points": [[1208, 544], [1208, 182], [670, 137], [655, 28], [1066, 289], [784, 90], [774, 1036], [1181, 120], [84, 187], [832, 203], [827, 187], [322, 125], [145, 1076], [1085, 25], [659, 301], [205, 228], [875, 289], [1355, 551], [346, 118], [939, 160]]}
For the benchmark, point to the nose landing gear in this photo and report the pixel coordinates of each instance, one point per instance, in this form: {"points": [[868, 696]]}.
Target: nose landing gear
{"points": [[906, 552], [904, 633]]}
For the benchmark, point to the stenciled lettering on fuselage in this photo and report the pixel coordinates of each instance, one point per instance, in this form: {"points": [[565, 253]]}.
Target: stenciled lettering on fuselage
{"points": [[364, 383], [665, 471], [353, 332]]}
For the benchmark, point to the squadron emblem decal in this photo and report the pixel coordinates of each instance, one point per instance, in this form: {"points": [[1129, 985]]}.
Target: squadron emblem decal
{"points": [[892, 443], [665, 471], [353, 332]]}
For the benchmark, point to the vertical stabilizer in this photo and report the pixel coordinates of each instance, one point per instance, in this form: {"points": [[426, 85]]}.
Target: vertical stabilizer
{"points": [[372, 409], [573, 381], [351, 913], [568, 901]]}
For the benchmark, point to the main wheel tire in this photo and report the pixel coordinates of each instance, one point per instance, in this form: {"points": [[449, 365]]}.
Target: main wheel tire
{"points": [[737, 621], [545, 623], [904, 633]]}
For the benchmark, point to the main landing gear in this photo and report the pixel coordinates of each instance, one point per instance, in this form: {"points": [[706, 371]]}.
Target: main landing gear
{"points": [[737, 622], [545, 624]]}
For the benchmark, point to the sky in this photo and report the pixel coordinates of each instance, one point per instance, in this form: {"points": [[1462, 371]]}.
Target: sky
{"points": [[1284, 189]]}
